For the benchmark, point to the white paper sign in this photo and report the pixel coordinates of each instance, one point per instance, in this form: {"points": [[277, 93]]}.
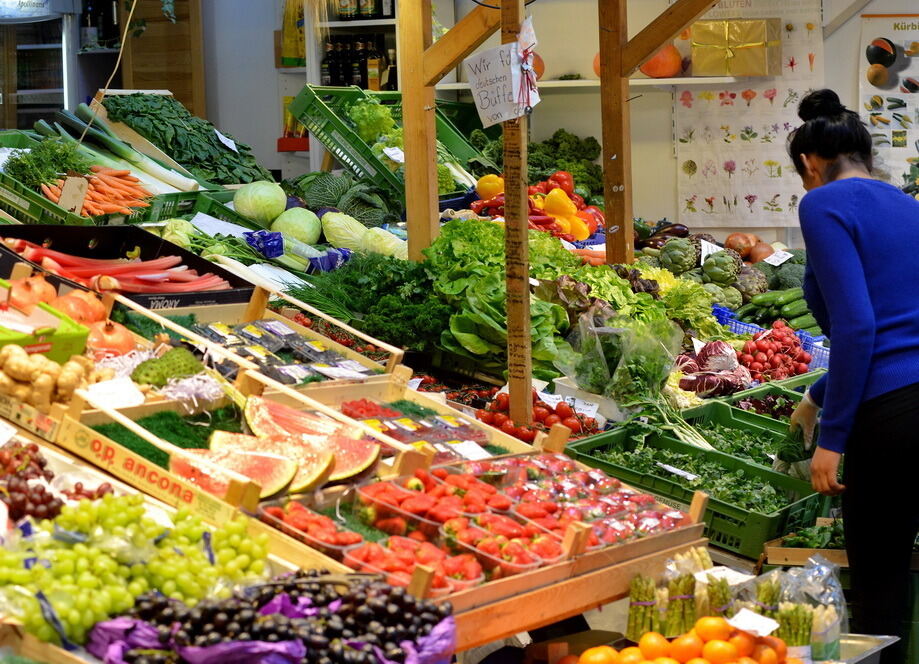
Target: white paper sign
{"points": [[212, 226], [677, 471], [708, 248], [336, 373], [696, 345], [414, 383], [115, 393], [778, 258], [395, 154], [469, 449], [732, 576], [748, 621], [229, 142]]}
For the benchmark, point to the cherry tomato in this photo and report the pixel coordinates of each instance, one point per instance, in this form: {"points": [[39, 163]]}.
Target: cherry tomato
{"points": [[485, 416], [573, 424], [563, 410], [552, 419], [535, 394], [589, 424], [526, 434], [509, 427], [499, 420], [540, 414], [503, 401], [428, 380]]}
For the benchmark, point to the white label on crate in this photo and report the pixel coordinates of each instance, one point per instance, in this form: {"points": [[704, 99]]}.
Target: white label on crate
{"points": [[212, 226], [677, 471], [229, 142], [395, 154], [414, 383], [551, 400], [16, 200], [469, 449], [336, 373], [115, 393], [747, 621], [353, 365], [7, 431], [708, 248], [585, 408], [778, 258]]}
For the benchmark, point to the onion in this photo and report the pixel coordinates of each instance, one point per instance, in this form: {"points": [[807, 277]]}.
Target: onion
{"points": [[46, 292], [94, 305], [73, 307], [760, 251], [742, 243], [23, 295], [107, 338]]}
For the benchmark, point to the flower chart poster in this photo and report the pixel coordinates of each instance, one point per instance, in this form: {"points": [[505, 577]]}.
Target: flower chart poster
{"points": [[889, 93], [732, 168]]}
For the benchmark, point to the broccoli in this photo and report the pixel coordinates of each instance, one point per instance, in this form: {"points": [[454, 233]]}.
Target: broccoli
{"points": [[479, 140], [800, 257], [585, 173], [788, 275], [765, 268]]}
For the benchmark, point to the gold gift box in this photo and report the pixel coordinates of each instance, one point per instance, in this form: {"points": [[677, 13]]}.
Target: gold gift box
{"points": [[737, 47]]}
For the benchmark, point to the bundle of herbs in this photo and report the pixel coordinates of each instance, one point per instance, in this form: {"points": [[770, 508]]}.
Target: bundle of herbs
{"points": [[46, 162], [777, 406]]}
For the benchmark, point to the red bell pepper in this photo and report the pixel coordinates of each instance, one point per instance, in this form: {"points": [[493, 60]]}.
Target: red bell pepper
{"points": [[597, 213], [561, 180], [589, 219], [578, 201]]}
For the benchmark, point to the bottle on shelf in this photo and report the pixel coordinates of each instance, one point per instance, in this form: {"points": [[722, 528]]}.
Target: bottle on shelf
{"points": [[347, 10], [359, 65], [328, 68], [113, 24], [89, 25], [367, 9], [344, 63], [392, 76], [376, 63]]}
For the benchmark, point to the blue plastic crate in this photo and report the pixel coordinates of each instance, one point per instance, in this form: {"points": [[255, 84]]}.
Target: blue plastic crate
{"points": [[722, 314], [739, 327], [808, 341], [820, 357]]}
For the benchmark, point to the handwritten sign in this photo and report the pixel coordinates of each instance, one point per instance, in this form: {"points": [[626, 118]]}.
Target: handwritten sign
{"points": [[496, 82]]}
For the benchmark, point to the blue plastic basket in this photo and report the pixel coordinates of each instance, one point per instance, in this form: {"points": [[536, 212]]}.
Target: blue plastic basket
{"points": [[722, 314], [820, 357], [739, 327]]}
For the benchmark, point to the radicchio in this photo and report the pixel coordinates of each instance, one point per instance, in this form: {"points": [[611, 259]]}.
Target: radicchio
{"points": [[717, 356], [717, 383], [687, 364]]}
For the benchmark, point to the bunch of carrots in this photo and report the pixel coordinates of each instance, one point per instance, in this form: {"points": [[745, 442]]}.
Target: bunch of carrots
{"points": [[590, 256], [110, 192]]}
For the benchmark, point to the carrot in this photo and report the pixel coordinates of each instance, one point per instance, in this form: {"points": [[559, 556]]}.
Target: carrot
{"points": [[46, 190], [139, 204], [92, 208], [109, 208], [130, 178], [595, 261], [113, 172]]}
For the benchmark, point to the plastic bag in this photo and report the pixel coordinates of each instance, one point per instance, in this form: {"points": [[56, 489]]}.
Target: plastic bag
{"points": [[596, 348], [378, 241], [817, 586], [293, 39], [648, 353], [762, 595]]}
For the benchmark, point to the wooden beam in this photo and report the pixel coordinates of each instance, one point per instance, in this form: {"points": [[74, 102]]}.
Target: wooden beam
{"points": [[843, 17], [462, 39], [617, 129], [415, 37], [516, 244], [660, 31]]}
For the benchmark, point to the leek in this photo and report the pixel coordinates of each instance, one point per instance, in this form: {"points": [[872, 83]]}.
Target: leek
{"points": [[124, 151]]}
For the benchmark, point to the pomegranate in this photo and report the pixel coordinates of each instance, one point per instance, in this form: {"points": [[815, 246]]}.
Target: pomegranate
{"points": [[597, 64], [46, 292], [73, 307], [109, 339], [94, 305]]}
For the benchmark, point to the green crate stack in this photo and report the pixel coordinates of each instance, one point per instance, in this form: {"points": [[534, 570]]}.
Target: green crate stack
{"points": [[212, 203], [32, 208], [734, 418], [728, 527]]}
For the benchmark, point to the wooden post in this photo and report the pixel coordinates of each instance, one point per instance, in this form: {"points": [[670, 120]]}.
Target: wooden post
{"points": [[415, 36], [516, 246], [617, 128], [697, 506]]}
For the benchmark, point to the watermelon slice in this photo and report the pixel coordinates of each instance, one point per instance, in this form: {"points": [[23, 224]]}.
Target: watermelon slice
{"points": [[314, 463], [272, 472], [353, 454]]}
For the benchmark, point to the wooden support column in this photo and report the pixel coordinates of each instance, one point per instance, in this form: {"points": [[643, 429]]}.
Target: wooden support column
{"points": [[415, 37], [516, 246], [617, 128], [461, 40]]}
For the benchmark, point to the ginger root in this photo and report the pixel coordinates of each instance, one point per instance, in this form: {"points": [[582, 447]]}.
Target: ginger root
{"points": [[6, 384], [40, 394], [19, 364], [70, 378], [21, 391], [99, 375]]}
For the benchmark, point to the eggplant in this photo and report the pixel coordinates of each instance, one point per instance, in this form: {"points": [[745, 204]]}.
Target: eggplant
{"points": [[672, 230]]}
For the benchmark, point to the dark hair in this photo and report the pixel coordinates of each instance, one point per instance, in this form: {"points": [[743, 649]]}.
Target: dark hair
{"points": [[831, 131]]}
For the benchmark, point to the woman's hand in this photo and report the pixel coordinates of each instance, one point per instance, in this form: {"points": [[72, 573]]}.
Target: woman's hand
{"points": [[824, 470], [805, 418]]}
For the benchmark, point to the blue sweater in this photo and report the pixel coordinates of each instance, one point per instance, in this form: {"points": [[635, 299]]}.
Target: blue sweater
{"points": [[862, 285]]}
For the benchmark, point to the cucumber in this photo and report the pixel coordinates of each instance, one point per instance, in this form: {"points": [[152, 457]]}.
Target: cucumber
{"points": [[795, 309], [800, 322], [766, 299], [789, 296], [650, 251], [746, 309], [814, 331]]}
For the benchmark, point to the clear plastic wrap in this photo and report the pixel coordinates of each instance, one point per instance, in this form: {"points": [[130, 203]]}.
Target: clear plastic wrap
{"points": [[817, 587], [596, 348]]}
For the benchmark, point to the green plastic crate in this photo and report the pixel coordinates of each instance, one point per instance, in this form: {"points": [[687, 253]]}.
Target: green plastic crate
{"points": [[213, 203], [465, 117], [729, 527], [800, 383], [33, 208], [735, 418]]}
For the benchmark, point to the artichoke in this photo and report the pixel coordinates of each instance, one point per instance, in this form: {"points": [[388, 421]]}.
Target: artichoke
{"points": [[652, 261], [722, 266], [750, 282], [696, 239], [693, 275], [726, 296], [678, 255]]}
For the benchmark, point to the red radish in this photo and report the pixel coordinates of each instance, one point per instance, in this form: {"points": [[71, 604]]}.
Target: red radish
{"points": [[109, 339], [93, 304], [74, 307]]}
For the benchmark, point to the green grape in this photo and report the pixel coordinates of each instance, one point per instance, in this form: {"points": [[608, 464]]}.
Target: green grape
{"points": [[257, 567]]}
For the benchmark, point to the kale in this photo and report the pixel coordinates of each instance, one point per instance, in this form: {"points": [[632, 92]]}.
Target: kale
{"points": [[416, 326]]}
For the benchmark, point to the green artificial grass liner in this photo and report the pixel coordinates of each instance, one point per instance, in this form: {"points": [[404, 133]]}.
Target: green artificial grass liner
{"points": [[140, 324], [496, 450], [410, 408], [188, 432]]}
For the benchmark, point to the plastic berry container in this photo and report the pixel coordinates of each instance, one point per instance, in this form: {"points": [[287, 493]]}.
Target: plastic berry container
{"points": [[267, 512]]}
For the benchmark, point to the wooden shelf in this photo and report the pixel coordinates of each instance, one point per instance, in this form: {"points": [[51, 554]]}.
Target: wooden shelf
{"points": [[36, 47], [553, 84], [369, 23], [292, 70], [42, 91], [98, 51]]}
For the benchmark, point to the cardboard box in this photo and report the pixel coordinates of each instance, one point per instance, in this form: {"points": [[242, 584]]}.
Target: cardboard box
{"points": [[737, 47]]}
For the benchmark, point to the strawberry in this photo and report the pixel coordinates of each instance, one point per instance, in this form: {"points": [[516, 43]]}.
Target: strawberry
{"points": [[392, 526]]}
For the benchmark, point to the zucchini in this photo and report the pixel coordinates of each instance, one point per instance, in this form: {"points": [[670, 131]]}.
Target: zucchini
{"points": [[766, 299], [800, 322], [789, 296], [795, 309]]}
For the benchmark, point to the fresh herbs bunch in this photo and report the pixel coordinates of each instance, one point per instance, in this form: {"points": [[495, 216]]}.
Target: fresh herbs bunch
{"points": [[46, 162], [831, 536]]}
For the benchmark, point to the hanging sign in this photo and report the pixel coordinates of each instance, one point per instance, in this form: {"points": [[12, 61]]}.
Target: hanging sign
{"points": [[26, 10], [502, 80]]}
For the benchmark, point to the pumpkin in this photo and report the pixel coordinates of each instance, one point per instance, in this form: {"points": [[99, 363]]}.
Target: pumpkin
{"points": [[597, 64], [539, 67], [742, 243], [666, 63], [760, 251]]}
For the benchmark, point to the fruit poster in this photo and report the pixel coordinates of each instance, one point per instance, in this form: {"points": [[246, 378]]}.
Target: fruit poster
{"points": [[732, 167], [889, 93]]}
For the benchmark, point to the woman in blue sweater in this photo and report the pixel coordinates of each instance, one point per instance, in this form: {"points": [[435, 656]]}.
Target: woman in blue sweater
{"points": [[862, 284]]}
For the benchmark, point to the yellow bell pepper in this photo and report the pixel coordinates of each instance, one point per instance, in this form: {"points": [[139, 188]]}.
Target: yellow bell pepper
{"points": [[579, 229], [489, 186], [538, 201], [564, 224], [565, 212]]}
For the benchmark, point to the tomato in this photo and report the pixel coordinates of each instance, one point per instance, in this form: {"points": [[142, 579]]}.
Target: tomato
{"points": [[589, 424], [509, 427], [428, 380], [535, 394], [503, 400], [499, 420], [572, 423], [485, 416], [563, 410], [552, 419], [526, 434], [540, 414]]}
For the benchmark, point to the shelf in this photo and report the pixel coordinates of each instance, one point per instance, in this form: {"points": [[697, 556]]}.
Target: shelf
{"points": [[36, 47], [42, 91], [370, 23], [99, 51], [634, 82], [291, 70]]}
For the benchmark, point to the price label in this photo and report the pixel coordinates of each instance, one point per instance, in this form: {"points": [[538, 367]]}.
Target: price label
{"points": [[414, 383], [469, 449], [353, 365], [778, 258], [748, 621], [116, 393], [396, 154], [708, 249], [677, 471], [696, 345], [228, 142]]}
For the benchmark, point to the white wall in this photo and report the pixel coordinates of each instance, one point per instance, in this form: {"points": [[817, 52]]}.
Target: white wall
{"points": [[242, 83]]}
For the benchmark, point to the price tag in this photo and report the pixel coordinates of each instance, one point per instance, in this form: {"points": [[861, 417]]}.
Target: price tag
{"points": [[748, 621], [229, 142], [73, 193], [551, 400], [353, 365], [696, 345], [585, 408], [395, 154], [116, 393], [778, 258], [708, 249], [471, 450], [7, 431], [677, 471], [337, 373], [414, 383]]}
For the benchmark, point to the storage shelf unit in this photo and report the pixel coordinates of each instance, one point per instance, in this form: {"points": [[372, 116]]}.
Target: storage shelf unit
{"points": [[369, 23], [553, 84]]}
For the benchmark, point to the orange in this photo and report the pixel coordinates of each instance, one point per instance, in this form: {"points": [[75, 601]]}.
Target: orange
{"points": [[777, 644], [765, 655], [630, 655], [744, 643], [568, 659], [793, 660], [653, 645], [713, 628], [601, 655], [746, 660], [686, 647], [665, 660], [697, 660], [718, 651]]}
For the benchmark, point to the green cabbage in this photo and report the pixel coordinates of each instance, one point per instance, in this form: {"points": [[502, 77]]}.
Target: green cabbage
{"points": [[262, 202], [300, 224], [343, 232], [379, 241]]}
